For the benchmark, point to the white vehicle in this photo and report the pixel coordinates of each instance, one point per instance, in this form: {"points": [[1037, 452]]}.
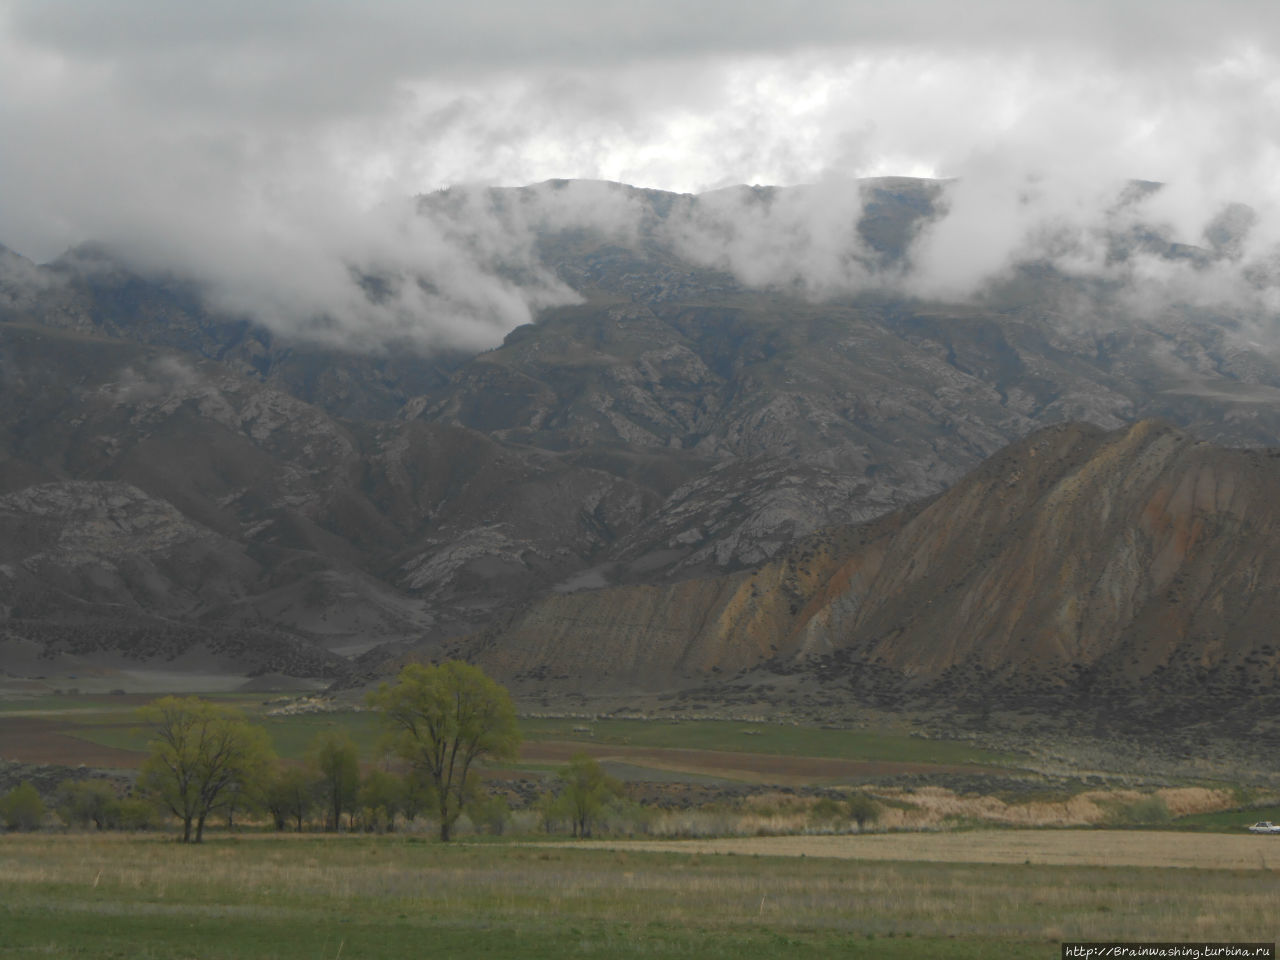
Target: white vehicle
{"points": [[1264, 826]]}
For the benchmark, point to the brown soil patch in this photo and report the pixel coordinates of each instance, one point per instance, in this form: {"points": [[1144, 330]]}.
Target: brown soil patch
{"points": [[731, 765], [40, 740], [1103, 848]]}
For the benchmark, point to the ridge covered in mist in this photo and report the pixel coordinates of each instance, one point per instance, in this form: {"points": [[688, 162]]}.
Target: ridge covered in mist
{"points": [[710, 381]]}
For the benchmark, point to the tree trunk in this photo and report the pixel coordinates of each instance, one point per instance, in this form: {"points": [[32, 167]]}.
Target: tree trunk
{"points": [[186, 829], [200, 829], [445, 822]]}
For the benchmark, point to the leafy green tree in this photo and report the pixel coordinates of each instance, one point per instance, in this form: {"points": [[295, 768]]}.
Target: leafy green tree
{"points": [[336, 762], [863, 809], [382, 795], [21, 808], [446, 718], [419, 794], [586, 791], [246, 798], [82, 802], [135, 813], [290, 796], [202, 755]]}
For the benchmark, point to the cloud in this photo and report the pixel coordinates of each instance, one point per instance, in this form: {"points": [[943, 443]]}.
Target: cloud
{"points": [[272, 150], [803, 239]]}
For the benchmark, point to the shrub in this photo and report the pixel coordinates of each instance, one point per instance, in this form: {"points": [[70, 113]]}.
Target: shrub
{"points": [[864, 810], [490, 814], [1151, 809], [85, 802], [21, 808], [135, 813], [826, 814]]}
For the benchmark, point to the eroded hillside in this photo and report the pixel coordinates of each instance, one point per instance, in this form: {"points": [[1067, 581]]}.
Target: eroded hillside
{"points": [[1119, 567]]}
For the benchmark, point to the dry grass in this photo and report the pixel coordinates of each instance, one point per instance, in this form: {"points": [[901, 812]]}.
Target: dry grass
{"points": [[928, 808], [1094, 848], [931, 807], [636, 887]]}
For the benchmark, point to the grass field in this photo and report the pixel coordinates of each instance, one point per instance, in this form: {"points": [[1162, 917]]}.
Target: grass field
{"points": [[764, 738], [98, 730], [266, 896], [291, 734], [1077, 847], [1230, 819]]}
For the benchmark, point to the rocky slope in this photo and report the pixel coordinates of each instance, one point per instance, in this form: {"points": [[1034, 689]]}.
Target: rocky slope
{"points": [[164, 463], [1133, 571]]}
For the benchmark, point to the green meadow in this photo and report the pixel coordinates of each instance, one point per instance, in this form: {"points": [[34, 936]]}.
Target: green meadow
{"points": [[313, 896], [292, 734]]}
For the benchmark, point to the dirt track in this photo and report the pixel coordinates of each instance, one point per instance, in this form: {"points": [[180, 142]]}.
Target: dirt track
{"points": [[1109, 848]]}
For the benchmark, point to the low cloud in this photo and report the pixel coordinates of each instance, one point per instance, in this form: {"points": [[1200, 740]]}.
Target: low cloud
{"points": [[803, 239], [272, 152]]}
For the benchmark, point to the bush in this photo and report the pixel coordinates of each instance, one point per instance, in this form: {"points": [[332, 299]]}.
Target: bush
{"points": [[1149, 810], [864, 810], [21, 808], [136, 813], [627, 817], [85, 802], [826, 813], [490, 814]]}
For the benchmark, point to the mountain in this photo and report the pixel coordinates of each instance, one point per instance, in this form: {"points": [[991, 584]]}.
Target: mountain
{"points": [[138, 483], [1132, 574], [722, 392]]}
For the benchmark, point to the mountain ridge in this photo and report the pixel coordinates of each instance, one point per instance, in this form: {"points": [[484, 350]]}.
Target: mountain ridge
{"points": [[679, 422]]}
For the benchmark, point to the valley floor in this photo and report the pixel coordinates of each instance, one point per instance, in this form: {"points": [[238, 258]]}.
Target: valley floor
{"points": [[316, 896], [1091, 848]]}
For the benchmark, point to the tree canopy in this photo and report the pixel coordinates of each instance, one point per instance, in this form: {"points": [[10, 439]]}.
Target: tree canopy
{"points": [[445, 718], [586, 790], [336, 761], [201, 755], [290, 795]]}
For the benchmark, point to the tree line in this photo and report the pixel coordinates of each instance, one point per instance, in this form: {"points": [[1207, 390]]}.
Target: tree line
{"points": [[207, 760]]}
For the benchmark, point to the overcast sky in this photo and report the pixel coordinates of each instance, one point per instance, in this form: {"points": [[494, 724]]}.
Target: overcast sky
{"points": [[236, 133]]}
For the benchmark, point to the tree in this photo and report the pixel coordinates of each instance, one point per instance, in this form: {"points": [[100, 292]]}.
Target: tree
{"points": [[135, 813], [21, 808], [863, 809], [490, 812], [419, 793], [446, 718], [334, 758], [202, 756], [290, 796], [586, 790], [81, 802], [382, 797]]}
